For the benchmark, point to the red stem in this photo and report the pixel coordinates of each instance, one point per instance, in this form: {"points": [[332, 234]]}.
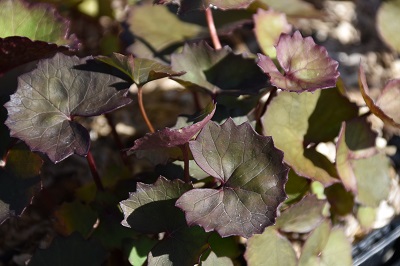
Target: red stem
{"points": [[143, 111], [212, 29], [95, 173], [185, 152]]}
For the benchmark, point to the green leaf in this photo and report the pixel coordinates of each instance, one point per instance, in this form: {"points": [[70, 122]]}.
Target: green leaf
{"points": [[214, 260], [270, 248], [303, 216], [387, 19], [296, 8], [37, 22], [252, 178], [296, 187], [139, 250], [71, 250], [340, 200]]}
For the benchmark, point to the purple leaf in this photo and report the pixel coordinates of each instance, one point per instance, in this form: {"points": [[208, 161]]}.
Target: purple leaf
{"points": [[306, 66], [42, 110], [252, 177]]}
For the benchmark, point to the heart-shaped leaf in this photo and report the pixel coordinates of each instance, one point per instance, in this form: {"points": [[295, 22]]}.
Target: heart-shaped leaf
{"points": [[140, 70], [216, 70], [306, 65], [270, 248], [388, 104], [41, 112], [268, 26], [252, 178], [190, 5], [37, 22], [387, 19]]}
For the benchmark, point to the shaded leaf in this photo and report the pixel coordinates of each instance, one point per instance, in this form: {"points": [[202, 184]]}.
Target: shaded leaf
{"points": [[140, 70], [296, 187], [268, 26], [270, 248], [190, 5], [303, 216], [387, 19], [147, 208], [388, 103], [340, 200], [41, 112], [252, 178], [37, 22], [306, 66], [72, 250], [216, 71], [22, 162], [224, 246], [4, 211]]}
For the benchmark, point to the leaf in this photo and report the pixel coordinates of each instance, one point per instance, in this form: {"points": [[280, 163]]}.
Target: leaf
{"points": [[296, 8], [326, 246], [270, 248], [216, 71], [387, 18], [41, 112], [296, 187], [4, 211], [37, 22], [72, 250], [387, 105], [306, 66], [268, 26], [147, 208], [303, 216], [139, 250], [340, 200], [163, 30], [252, 178], [288, 120], [140, 70], [212, 260], [190, 5]]}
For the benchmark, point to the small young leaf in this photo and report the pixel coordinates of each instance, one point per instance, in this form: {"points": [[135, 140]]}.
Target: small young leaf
{"points": [[306, 66], [217, 70], [72, 250], [252, 178], [388, 104], [41, 112], [140, 70]]}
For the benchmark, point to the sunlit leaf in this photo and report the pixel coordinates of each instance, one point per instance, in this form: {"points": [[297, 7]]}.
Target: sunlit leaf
{"points": [[252, 178], [42, 110], [212, 259], [217, 70], [140, 70], [387, 19], [268, 26], [270, 248], [388, 103], [306, 65], [139, 250]]}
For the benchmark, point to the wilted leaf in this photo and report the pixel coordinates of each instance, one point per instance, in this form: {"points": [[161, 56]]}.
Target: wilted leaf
{"points": [[41, 112], [270, 248], [252, 178], [190, 5], [217, 70], [388, 104], [140, 70], [37, 22], [268, 26], [147, 208], [306, 65], [303, 216], [387, 19], [71, 250]]}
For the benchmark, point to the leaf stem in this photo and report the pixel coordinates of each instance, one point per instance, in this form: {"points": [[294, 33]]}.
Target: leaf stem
{"points": [[95, 173], [143, 111], [185, 152], [212, 29]]}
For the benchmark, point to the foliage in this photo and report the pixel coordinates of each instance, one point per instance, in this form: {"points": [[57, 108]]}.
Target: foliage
{"points": [[229, 185]]}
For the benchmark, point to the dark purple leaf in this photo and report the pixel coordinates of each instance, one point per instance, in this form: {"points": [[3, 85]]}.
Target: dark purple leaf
{"points": [[42, 110], [252, 177], [140, 70], [306, 66], [190, 5], [217, 70]]}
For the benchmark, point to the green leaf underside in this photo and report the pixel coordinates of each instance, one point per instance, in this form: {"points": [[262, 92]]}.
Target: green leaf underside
{"points": [[72, 250], [252, 175], [140, 70], [290, 126], [41, 111], [302, 217], [36, 22], [387, 106], [306, 66], [270, 248], [217, 70]]}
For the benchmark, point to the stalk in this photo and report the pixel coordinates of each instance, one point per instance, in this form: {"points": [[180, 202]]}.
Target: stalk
{"points": [[212, 29], [95, 173], [185, 152], [143, 111]]}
